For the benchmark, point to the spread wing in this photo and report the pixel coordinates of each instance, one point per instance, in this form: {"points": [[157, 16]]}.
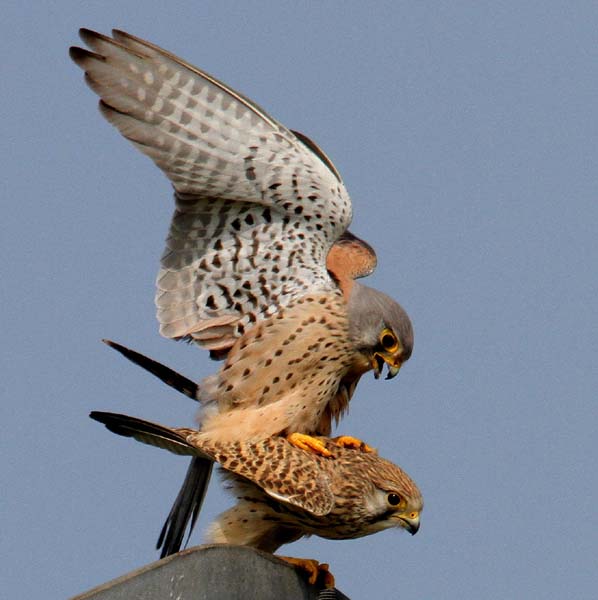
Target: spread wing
{"points": [[258, 207]]}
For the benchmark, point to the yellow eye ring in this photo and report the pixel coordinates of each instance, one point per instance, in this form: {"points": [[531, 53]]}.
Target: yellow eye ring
{"points": [[388, 340]]}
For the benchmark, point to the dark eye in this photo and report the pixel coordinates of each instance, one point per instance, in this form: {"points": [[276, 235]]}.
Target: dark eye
{"points": [[388, 341], [393, 499]]}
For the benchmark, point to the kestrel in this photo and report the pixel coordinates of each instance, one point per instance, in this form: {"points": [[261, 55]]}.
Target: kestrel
{"points": [[259, 266], [284, 493]]}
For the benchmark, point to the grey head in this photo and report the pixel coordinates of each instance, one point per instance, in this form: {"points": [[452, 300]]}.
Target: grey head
{"points": [[380, 329]]}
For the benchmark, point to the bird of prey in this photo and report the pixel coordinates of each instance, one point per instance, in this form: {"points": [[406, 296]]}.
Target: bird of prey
{"points": [[284, 492], [259, 267]]}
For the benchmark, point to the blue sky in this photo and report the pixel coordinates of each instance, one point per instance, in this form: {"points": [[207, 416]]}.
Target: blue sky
{"points": [[466, 133]]}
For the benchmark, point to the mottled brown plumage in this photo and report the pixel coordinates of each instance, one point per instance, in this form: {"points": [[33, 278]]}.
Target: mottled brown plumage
{"points": [[284, 493]]}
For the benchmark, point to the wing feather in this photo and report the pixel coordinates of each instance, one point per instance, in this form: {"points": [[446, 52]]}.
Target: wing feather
{"points": [[284, 472], [258, 207]]}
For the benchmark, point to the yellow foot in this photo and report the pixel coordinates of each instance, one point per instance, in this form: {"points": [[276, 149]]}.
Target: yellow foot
{"points": [[307, 442], [347, 441], [315, 571]]}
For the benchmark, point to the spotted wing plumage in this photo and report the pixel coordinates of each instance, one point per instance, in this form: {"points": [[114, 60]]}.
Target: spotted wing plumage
{"points": [[283, 471], [258, 207]]}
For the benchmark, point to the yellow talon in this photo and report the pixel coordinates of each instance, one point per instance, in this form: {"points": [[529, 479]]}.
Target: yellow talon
{"points": [[348, 441], [307, 442], [314, 570]]}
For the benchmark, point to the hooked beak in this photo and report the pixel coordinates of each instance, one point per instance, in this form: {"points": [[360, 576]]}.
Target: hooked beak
{"points": [[393, 370], [378, 362], [410, 522]]}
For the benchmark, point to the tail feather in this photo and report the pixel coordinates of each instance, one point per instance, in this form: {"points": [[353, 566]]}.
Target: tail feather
{"points": [[186, 507], [188, 503], [148, 433], [166, 374]]}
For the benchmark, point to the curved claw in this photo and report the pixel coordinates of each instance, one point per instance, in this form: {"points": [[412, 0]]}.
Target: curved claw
{"points": [[348, 441], [307, 442], [315, 570]]}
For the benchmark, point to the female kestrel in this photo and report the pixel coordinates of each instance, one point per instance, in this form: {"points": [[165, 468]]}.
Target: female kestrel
{"points": [[259, 266], [284, 492]]}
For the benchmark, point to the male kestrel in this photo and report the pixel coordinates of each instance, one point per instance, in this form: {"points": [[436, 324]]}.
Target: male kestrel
{"points": [[259, 266], [284, 492]]}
